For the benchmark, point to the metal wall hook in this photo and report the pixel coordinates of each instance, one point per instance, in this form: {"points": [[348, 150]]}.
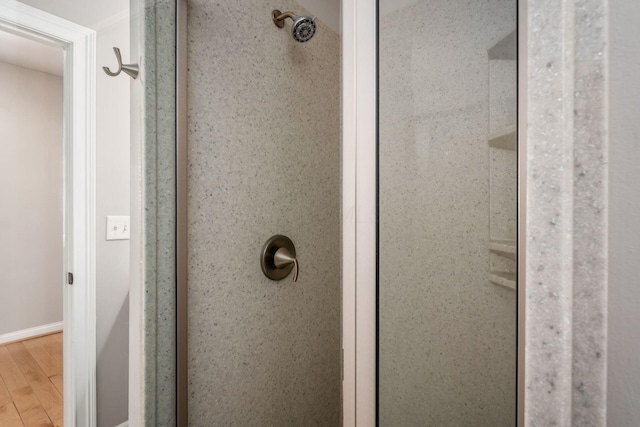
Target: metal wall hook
{"points": [[130, 69]]}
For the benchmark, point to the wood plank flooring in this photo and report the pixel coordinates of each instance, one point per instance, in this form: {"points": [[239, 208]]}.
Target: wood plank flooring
{"points": [[31, 382]]}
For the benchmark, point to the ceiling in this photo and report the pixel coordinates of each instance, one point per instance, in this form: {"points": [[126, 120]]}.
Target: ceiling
{"points": [[88, 13], [31, 54]]}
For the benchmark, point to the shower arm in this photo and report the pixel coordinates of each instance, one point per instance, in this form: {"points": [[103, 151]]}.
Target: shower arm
{"points": [[278, 18]]}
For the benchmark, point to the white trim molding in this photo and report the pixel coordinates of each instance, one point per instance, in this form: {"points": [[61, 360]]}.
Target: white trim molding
{"points": [[36, 331], [359, 195], [79, 96]]}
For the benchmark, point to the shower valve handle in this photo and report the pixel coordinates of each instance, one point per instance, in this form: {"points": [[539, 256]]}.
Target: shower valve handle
{"points": [[283, 258], [278, 258]]}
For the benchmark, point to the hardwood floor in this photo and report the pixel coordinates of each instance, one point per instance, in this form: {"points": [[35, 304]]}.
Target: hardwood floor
{"points": [[31, 382]]}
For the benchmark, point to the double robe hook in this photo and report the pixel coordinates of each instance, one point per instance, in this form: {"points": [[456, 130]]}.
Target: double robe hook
{"points": [[130, 69]]}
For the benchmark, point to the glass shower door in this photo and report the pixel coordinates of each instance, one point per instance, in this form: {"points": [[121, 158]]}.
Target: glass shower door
{"points": [[447, 213]]}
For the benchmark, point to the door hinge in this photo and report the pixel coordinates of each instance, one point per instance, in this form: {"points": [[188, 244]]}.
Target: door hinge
{"points": [[70, 278]]}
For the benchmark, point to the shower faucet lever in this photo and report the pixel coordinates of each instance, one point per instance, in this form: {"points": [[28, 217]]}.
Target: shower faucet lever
{"points": [[283, 258], [278, 258]]}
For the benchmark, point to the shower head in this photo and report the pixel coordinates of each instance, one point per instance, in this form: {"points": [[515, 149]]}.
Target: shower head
{"points": [[303, 27]]}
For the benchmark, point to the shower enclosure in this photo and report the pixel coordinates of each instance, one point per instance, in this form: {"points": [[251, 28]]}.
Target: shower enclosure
{"points": [[383, 161]]}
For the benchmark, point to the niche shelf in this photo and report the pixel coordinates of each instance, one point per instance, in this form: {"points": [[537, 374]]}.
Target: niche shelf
{"points": [[504, 279], [506, 140], [503, 247], [502, 142], [505, 48]]}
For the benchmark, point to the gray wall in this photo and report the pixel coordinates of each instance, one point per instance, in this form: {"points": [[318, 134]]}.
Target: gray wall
{"points": [[623, 376], [31, 193], [447, 335], [264, 144]]}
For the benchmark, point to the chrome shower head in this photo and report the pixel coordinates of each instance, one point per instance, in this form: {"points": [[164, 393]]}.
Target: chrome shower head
{"points": [[303, 28]]}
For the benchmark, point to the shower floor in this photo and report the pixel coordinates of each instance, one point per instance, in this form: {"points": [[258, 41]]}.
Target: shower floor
{"points": [[31, 382]]}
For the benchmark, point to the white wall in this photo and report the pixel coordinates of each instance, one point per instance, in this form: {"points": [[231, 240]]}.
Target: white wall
{"points": [[113, 190], [31, 198], [623, 377], [83, 12]]}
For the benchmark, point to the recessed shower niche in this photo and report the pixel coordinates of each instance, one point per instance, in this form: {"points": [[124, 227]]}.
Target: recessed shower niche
{"points": [[447, 213]]}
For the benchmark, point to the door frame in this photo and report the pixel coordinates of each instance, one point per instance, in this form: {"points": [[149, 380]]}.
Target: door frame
{"points": [[359, 207], [79, 235]]}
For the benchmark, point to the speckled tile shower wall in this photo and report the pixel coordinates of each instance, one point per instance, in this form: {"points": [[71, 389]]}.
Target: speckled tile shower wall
{"points": [[566, 270], [158, 77], [264, 159], [447, 335]]}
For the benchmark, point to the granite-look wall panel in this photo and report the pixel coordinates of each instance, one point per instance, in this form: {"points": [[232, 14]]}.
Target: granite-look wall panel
{"points": [[264, 144], [447, 335], [158, 78], [566, 213]]}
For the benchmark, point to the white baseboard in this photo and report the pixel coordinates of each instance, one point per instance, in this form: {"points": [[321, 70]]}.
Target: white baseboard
{"points": [[30, 333], [124, 424]]}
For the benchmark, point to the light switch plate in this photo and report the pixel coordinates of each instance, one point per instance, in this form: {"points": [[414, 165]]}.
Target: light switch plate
{"points": [[118, 228]]}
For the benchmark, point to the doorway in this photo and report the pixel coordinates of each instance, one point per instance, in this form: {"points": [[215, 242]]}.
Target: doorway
{"points": [[32, 247], [38, 369]]}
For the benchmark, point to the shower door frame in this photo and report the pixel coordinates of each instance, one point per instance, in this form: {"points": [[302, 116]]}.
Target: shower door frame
{"points": [[359, 211], [360, 206], [522, 88]]}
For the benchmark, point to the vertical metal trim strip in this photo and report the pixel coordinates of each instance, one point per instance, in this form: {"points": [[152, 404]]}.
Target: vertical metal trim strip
{"points": [[366, 213], [377, 79], [181, 215], [522, 34]]}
